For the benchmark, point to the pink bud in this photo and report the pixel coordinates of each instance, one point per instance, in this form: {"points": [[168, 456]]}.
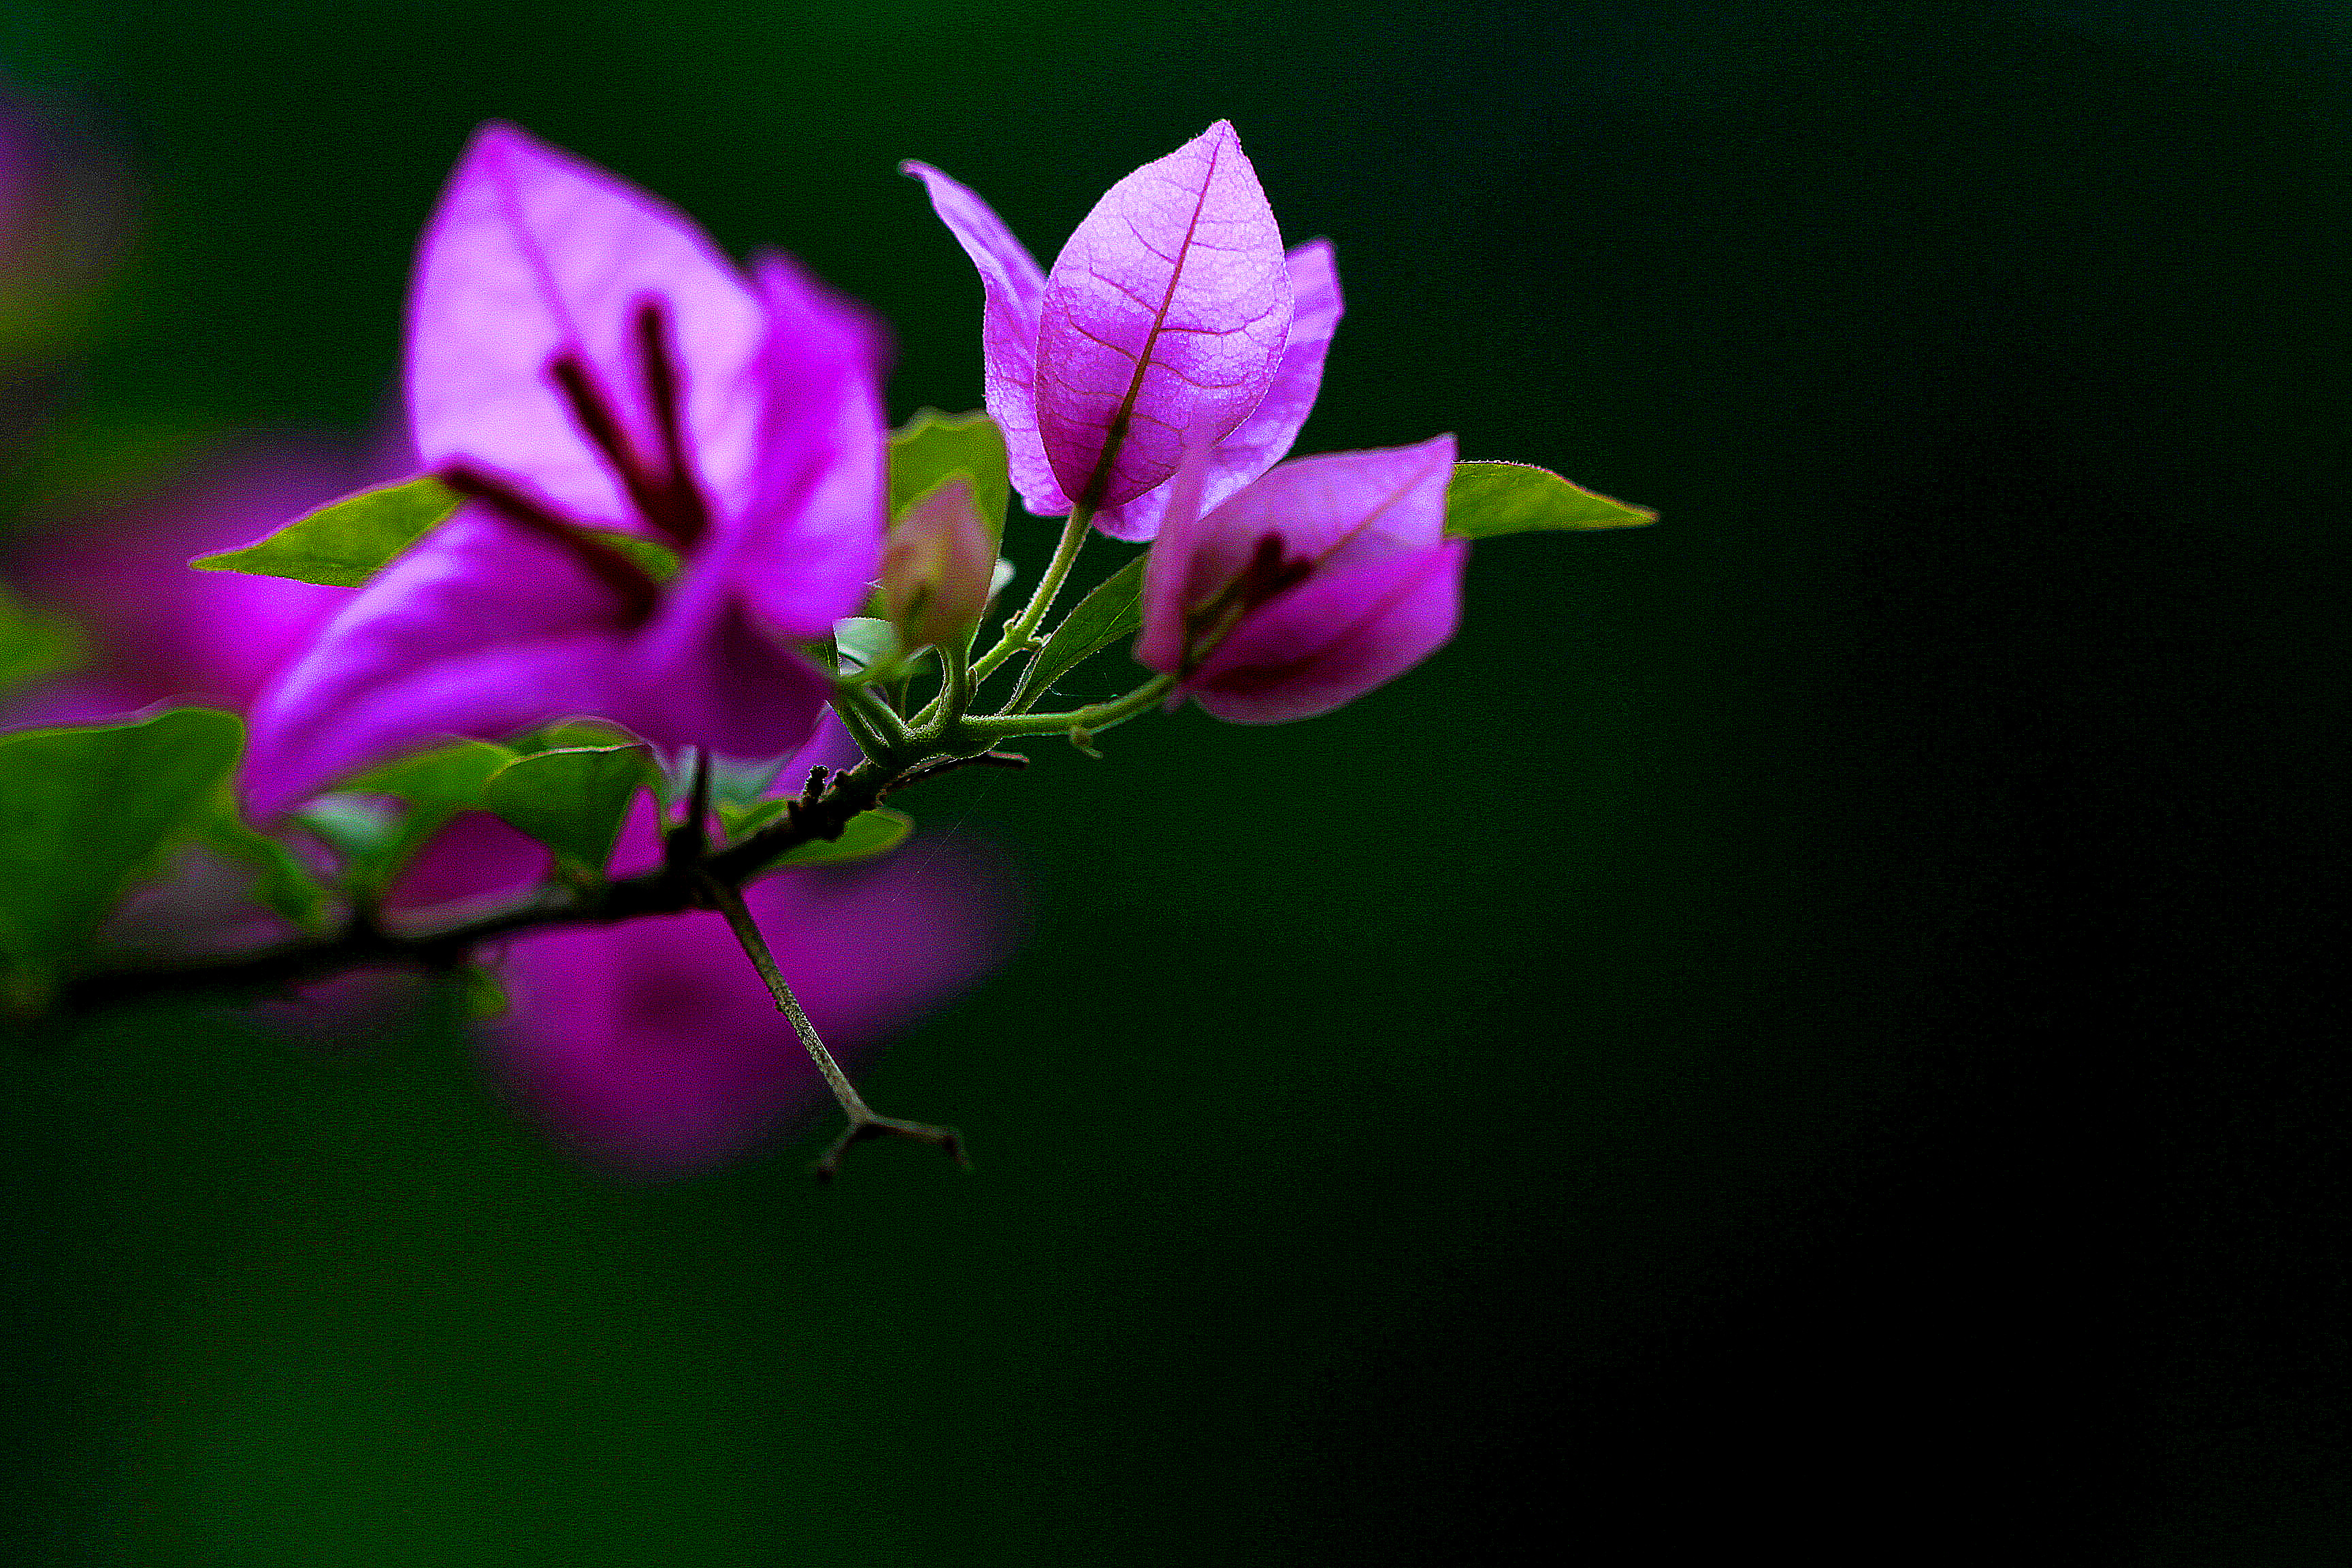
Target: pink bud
{"points": [[935, 570]]}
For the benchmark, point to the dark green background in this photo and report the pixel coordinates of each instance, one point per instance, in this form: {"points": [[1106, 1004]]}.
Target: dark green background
{"points": [[1802, 1027]]}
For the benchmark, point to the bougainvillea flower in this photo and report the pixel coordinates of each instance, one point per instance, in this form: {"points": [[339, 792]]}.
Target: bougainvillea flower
{"points": [[581, 361], [1306, 588], [1172, 314], [652, 1048]]}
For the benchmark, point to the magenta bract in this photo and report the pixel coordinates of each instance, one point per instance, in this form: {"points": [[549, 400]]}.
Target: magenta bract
{"points": [[581, 358], [1307, 587], [1172, 314]]}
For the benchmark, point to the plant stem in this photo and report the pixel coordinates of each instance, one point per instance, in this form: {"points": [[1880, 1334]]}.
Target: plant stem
{"points": [[880, 733], [1018, 632], [863, 1122], [955, 695], [1092, 719]]}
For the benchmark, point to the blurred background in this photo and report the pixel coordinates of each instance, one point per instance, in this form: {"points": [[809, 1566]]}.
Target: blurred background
{"points": [[1804, 1026]]}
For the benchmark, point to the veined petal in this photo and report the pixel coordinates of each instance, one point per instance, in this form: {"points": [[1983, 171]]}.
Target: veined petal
{"points": [[1335, 637], [481, 630], [1012, 288], [532, 255], [1265, 438], [1331, 509], [1165, 313]]}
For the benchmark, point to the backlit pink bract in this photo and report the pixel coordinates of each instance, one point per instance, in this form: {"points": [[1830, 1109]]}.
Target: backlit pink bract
{"points": [[1306, 588], [1172, 312]]}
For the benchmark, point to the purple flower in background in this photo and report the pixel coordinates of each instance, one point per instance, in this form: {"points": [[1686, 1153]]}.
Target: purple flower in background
{"points": [[1305, 589], [1172, 314], [652, 1048], [582, 361], [163, 633]]}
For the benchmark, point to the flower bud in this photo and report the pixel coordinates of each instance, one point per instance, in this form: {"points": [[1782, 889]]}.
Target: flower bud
{"points": [[937, 570]]}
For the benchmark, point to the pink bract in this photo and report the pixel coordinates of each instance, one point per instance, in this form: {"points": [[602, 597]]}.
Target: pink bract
{"points": [[581, 358], [1172, 313], [1306, 588]]}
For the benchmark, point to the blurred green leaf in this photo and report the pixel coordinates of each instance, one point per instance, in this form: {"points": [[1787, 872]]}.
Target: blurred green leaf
{"points": [[353, 825], [346, 542], [435, 785], [282, 880], [1485, 500], [740, 788], [930, 446], [89, 809], [452, 775], [658, 562], [868, 833], [1111, 612], [35, 642], [573, 801], [873, 643], [484, 996]]}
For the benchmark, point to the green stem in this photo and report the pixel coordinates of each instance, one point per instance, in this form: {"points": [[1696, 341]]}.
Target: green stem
{"points": [[755, 946], [1094, 717], [955, 695], [863, 1122], [880, 733], [1018, 632]]}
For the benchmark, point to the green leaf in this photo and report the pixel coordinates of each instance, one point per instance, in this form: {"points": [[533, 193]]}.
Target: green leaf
{"points": [[931, 446], [347, 541], [569, 735], [35, 642], [868, 833], [89, 809], [658, 562], [1489, 499], [743, 821], [479, 990], [1111, 612], [872, 642], [450, 774], [573, 801], [354, 826], [282, 880], [436, 785]]}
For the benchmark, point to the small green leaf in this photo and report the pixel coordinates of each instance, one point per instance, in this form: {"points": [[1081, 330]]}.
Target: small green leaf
{"points": [[569, 735], [1111, 612], [35, 642], [872, 642], [573, 801], [658, 562], [479, 990], [347, 541], [868, 833], [282, 882], [1489, 499], [436, 785], [450, 774], [743, 821], [928, 447], [89, 809], [354, 826]]}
